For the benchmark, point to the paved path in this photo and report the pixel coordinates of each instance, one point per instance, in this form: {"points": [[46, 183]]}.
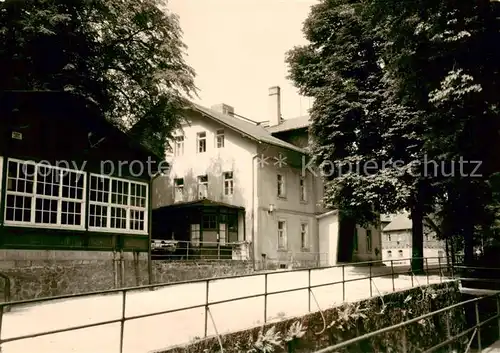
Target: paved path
{"points": [[157, 332]]}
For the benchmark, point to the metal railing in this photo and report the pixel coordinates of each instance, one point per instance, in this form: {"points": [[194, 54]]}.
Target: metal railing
{"points": [[180, 250], [431, 264], [461, 271], [475, 329]]}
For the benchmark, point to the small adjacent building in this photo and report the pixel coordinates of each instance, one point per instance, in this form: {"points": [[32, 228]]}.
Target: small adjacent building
{"points": [[397, 242], [70, 181]]}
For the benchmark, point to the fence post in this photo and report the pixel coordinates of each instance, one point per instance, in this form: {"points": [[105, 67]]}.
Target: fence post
{"points": [[427, 269], [440, 271], [309, 292], [476, 306], [448, 327], [370, 279], [498, 315], [265, 297], [206, 307], [343, 283], [392, 275], [122, 321]]}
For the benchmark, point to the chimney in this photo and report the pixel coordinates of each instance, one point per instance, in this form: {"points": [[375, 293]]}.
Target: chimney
{"points": [[274, 105], [223, 108]]}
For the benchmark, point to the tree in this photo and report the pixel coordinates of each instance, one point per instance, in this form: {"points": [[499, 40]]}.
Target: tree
{"points": [[370, 137], [440, 59], [125, 55]]}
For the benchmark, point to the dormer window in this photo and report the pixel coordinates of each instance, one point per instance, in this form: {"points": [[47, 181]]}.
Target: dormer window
{"points": [[201, 142]]}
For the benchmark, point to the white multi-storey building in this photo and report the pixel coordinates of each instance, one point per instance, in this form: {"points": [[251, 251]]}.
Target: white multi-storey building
{"points": [[235, 180]]}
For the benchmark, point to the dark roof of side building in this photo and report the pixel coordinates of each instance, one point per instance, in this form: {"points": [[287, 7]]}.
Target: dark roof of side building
{"points": [[290, 124]]}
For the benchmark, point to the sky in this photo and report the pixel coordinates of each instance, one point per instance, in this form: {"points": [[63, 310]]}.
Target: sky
{"points": [[237, 48]]}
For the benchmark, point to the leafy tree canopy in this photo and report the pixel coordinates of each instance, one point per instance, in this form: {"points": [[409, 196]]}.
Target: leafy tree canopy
{"points": [[125, 55], [407, 82]]}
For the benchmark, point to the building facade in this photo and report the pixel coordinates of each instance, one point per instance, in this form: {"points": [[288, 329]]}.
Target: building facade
{"points": [[397, 242], [256, 170], [61, 186]]}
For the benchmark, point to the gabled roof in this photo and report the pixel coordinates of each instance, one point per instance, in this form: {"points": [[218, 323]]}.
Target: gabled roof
{"points": [[400, 222], [290, 124], [252, 131]]}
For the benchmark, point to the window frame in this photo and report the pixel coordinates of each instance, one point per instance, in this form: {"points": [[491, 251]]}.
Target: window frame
{"points": [[304, 235], [302, 190], [283, 246], [199, 140], [195, 228], [199, 183], [127, 207], [281, 182], [178, 145], [178, 187], [220, 138], [34, 196], [228, 183]]}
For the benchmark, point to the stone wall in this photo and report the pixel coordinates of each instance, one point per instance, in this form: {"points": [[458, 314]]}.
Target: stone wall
{"points": [[35, 276], [319, 330]]}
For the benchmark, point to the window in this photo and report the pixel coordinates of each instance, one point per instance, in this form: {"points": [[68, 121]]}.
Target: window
{"points": [[368, 240], [195, 235], [389, 253], [219, 138], [400, 252], [178, 189], [355, 245], [43, 195], [117, 204], [232, 223], [228, 183], [388, 237], [201, 142], [303, 190], [202, 186], [282, 243], [222, 234], [281, 185], [179, 146], [304, 235], [209, 222]]}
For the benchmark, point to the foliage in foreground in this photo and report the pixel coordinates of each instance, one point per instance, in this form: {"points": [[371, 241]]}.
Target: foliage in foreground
{"points": [[311, 332]]}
